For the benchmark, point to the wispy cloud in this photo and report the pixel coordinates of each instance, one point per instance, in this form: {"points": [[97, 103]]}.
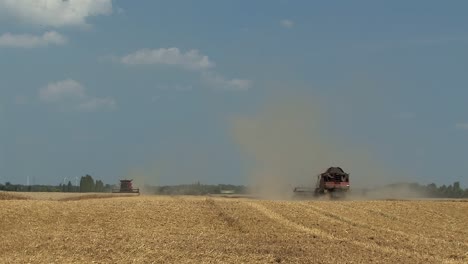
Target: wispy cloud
{"points": [[218, 82], [72, 94], [191, 60], [176, 88], [32, 41], [62, 90], [55, 13], [414, 41], [462, 126], [94, 103], [286, 23]]}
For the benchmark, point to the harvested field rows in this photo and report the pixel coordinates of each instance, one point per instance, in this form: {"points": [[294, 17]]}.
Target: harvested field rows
{"points": [[163, 229]]}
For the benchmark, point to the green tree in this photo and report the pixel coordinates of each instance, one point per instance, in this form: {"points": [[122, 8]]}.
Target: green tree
{"points": [[69, 187], [457, 191], [432, 189], [99, 186], [442, 191], [87, 184]]}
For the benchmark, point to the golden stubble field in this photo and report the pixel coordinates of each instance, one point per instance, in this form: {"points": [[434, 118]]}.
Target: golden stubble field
{"points": [[183, 229]]}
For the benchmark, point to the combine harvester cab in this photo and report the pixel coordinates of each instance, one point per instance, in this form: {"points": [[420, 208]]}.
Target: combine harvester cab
{"points": [[334, 181], [126, 186]]}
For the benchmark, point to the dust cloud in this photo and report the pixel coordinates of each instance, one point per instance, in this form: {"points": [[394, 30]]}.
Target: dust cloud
{"points": [[142, 178], [289, 141], [400, 191]]}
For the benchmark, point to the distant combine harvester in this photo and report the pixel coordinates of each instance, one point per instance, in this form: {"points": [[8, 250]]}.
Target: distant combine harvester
{"points": [[126, 187]]}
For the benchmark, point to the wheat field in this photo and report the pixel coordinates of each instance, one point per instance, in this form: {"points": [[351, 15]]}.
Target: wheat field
{"points": [[183, 229]]}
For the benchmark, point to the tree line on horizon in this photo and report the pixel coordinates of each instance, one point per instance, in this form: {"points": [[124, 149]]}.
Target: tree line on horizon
{"points": [[88, 184], [431, 190]]}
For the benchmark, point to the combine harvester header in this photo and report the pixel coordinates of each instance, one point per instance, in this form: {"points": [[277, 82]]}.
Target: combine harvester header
{"points": [[126, 187], [334, 181]]}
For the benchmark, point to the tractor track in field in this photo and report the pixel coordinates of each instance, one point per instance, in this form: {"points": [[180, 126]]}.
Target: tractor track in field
{"points": [[406, 221], [241, 227], [410, 222], [323, 234], [341, 219], [228, 219]]}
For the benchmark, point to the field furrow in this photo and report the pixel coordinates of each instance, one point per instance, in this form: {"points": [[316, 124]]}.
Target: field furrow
{"points": [[416, 239], [396, 246], [411, 218]]}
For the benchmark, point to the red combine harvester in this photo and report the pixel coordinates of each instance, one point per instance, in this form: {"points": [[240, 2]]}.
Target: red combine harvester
{"points": [[333, 181], [126, 187]]}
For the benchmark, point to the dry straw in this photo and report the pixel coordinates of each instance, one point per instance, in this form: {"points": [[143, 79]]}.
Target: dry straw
{"points": [[181, 229]]}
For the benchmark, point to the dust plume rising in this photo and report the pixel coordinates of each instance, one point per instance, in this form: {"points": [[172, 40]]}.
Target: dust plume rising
{"points": [[290, 140], [143, 177]]}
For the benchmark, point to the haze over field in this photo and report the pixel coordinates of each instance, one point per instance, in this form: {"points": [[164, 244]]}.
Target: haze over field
{"points": [[216, 111], [172, 92], [290, 143]]}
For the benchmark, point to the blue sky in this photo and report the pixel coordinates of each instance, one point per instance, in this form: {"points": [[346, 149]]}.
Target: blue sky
{"points": [[163, 91]]}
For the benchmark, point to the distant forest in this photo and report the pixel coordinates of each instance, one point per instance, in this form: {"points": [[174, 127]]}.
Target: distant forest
{"points": [[88, 184], [432, 190]]}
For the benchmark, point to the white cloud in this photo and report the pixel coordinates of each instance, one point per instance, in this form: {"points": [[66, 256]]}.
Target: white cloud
{"points": [[32, 41], [55, 13], [286, 23], [191, 59], [218, 82], [70, 93], [462, 126], [62, 90]]}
